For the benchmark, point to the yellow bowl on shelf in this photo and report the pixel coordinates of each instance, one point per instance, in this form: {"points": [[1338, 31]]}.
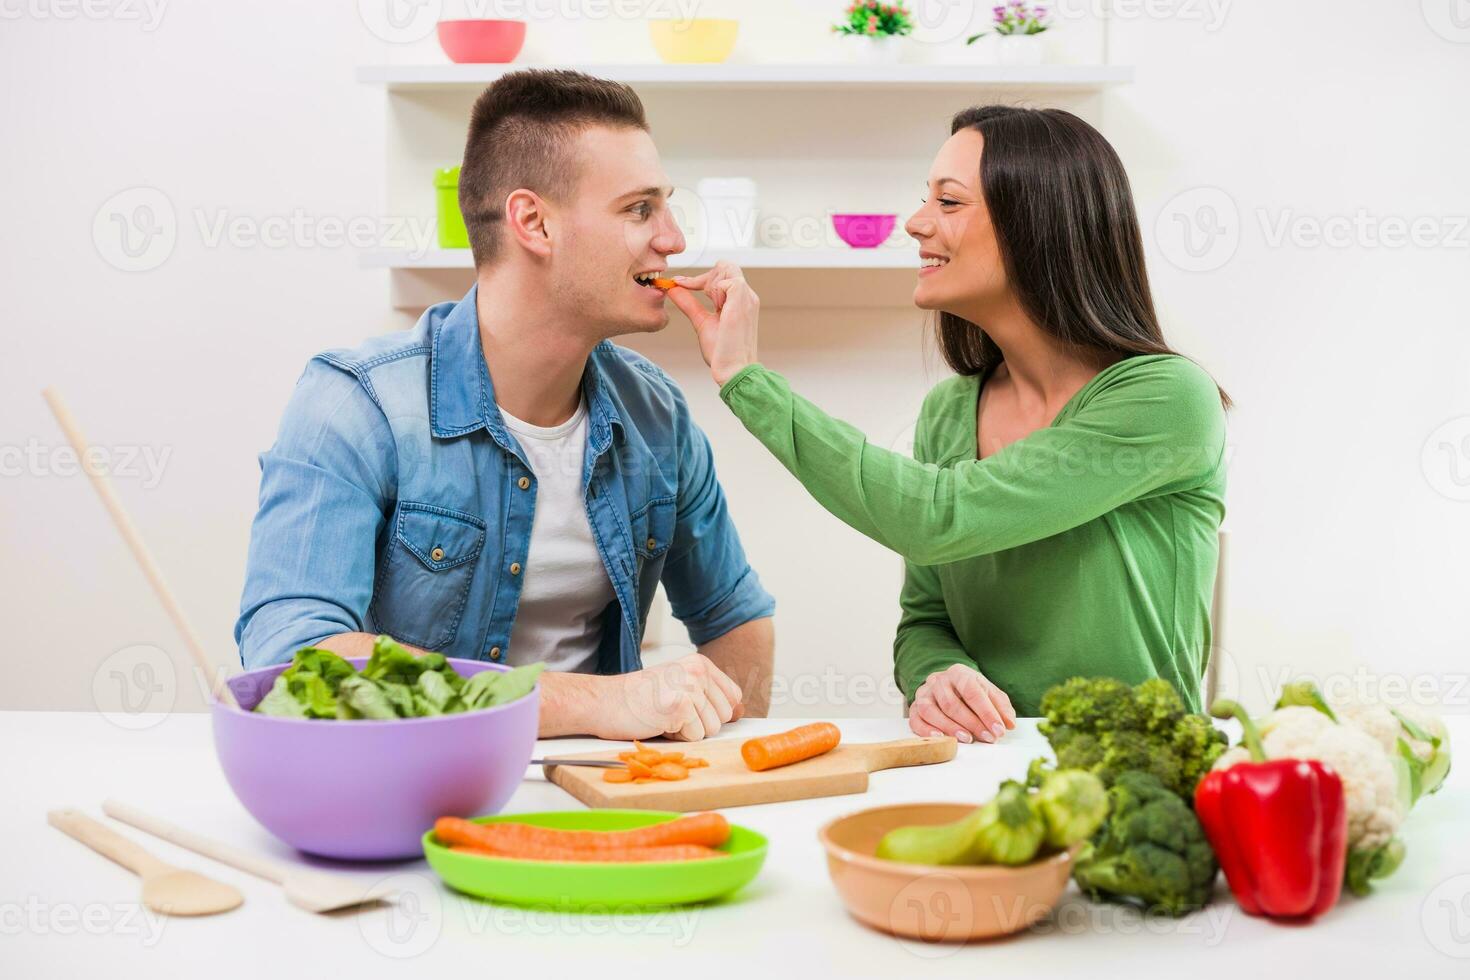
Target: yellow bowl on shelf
{"points": [[695, 40]]}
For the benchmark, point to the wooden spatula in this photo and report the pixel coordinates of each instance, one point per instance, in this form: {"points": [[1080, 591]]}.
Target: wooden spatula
{"points": [[315, 891], [166, 889]]}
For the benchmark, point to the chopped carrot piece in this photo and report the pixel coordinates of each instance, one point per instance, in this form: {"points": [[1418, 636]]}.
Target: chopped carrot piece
{"points": [[670, 771], [695, 763], [638, 768], [617, 776]]}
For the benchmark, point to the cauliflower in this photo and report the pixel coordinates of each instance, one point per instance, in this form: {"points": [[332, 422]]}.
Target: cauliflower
{"points": [[1415, 741], [1369, 781]]}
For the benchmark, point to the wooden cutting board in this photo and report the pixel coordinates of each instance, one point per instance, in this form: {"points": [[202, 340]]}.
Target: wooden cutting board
{"points": [[727, 782]]}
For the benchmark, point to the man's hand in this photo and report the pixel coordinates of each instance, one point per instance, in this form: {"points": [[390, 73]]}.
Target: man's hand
{"points": [[689, 698], [727, 336], [959, 701]]}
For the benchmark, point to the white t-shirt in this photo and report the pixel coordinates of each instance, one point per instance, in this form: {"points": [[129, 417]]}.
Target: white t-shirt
{"points": [[565, 587]]}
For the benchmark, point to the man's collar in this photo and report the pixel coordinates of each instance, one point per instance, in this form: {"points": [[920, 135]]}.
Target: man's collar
{"points": [[462, 396]]}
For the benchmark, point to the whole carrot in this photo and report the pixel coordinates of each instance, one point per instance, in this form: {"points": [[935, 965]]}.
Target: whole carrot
{"points": [[771, 751], [707, 829], [670, 852]]}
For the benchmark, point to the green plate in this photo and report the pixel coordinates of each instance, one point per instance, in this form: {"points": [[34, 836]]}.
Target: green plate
{"points": [[593, 886]]}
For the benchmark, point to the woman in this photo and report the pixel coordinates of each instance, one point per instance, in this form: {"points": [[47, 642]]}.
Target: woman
{"points": [[1060, 516]]}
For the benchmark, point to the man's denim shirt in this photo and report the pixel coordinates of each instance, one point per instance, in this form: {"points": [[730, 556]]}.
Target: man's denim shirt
{"points": [[395, 501]]}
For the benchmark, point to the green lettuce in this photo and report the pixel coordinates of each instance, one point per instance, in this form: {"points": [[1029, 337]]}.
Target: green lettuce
{"points": [[394, 683]]}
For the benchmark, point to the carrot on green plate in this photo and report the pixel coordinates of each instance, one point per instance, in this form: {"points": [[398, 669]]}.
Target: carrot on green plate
{"points": [[668, 852], [707, 829]]}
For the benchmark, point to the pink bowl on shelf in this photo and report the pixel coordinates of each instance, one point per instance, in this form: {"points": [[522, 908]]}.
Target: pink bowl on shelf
{"points": [[864, 230], [482, 41]]}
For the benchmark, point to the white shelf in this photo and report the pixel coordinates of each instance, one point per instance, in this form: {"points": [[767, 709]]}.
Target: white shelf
{"points": [[757, 76], [749, 258]]}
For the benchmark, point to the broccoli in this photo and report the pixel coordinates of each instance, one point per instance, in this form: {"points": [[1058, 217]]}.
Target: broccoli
{"points": [[1102, 725], [1076, 749], [1088, 703], [1124, 751], [1197, 743], [1158, 705], [1151, 851]]}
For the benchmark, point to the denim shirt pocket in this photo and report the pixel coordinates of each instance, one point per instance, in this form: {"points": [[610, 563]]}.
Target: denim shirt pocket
{"points": [[424, 578], [653, 527]]}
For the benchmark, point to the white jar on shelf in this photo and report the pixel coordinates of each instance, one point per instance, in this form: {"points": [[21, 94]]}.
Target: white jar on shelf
{"points": [[882, 49], [1019, 49], [729, 210]]}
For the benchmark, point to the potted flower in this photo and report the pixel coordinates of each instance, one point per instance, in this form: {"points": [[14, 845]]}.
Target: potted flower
{"points": [[1017, 28], [878, 26]]}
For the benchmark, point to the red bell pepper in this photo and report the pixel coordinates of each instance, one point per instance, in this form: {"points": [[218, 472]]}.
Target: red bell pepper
{"points": [[1278, 827]]}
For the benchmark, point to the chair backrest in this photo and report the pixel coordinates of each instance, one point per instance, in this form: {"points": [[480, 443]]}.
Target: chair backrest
{"points": [[1217, 625]]}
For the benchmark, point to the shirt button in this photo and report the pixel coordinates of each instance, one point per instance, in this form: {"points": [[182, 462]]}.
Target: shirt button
{"points": [[652, 544], [437, 554], [515, 568], [524, 483], [495, 653]]}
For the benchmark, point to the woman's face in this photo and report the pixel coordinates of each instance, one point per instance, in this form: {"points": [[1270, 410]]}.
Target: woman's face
{"points": [[962, 271]]}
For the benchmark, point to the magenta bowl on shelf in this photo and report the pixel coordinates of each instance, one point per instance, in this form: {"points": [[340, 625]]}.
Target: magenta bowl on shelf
{"points": [[478, 42], [864, 230], [367, 790]]}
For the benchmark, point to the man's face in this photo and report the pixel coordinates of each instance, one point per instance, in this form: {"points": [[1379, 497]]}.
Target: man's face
{"points": [[615, 225]]}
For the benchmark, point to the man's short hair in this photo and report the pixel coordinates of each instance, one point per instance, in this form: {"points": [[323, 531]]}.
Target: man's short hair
{"points": [[522, 132]]}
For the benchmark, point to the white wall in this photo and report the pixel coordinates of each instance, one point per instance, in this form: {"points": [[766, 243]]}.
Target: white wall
{"points": [[1344, 361]]}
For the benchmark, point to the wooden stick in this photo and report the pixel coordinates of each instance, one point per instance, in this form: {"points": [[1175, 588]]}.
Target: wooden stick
{"points": [[103, 485]]}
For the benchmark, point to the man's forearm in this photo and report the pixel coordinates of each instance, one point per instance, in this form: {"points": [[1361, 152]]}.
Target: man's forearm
{"points": [[747, 654], [358, 645], [570, 704]]}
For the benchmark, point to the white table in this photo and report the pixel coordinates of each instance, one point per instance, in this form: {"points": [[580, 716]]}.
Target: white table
{"points": [[66, 911]]}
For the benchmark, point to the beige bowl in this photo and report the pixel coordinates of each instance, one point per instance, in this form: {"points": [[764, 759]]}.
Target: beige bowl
{"points": [[953, 903]]}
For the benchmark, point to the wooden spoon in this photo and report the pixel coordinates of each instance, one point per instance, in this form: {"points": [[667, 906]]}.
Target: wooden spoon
{"points": [[166, 889], [315, 891], [134, 539]]}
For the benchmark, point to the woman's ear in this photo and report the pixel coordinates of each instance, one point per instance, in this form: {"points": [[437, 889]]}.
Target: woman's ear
{"points": [[526, 217]]}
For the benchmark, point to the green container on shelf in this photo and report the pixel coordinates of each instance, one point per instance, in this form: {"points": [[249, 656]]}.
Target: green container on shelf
{"points": [[452, 233]]}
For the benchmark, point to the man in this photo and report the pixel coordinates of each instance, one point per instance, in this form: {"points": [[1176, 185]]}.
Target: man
{"points": [[502, 482]]}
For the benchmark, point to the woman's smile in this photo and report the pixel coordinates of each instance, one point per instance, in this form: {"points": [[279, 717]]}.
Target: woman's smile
{"points": [[931, 262]]}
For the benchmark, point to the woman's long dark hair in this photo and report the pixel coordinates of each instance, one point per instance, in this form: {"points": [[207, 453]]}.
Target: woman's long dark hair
{"points": [[1068, 234]]}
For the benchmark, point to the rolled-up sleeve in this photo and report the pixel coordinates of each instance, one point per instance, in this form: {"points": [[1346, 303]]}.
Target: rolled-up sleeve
{"points": [[711, 587], [325, 489]]}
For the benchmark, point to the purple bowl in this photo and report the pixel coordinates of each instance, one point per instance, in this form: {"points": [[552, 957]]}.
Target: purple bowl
{"points": [[367, 790], [864, 230]]}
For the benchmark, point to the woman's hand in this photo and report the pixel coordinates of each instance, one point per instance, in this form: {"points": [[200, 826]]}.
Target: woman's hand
{"points": [[959, 701], [726, 335]]}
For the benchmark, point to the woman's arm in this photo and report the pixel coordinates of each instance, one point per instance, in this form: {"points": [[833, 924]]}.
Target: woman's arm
{"points": [[1155, 428], [926, 641], [945, 690]]}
